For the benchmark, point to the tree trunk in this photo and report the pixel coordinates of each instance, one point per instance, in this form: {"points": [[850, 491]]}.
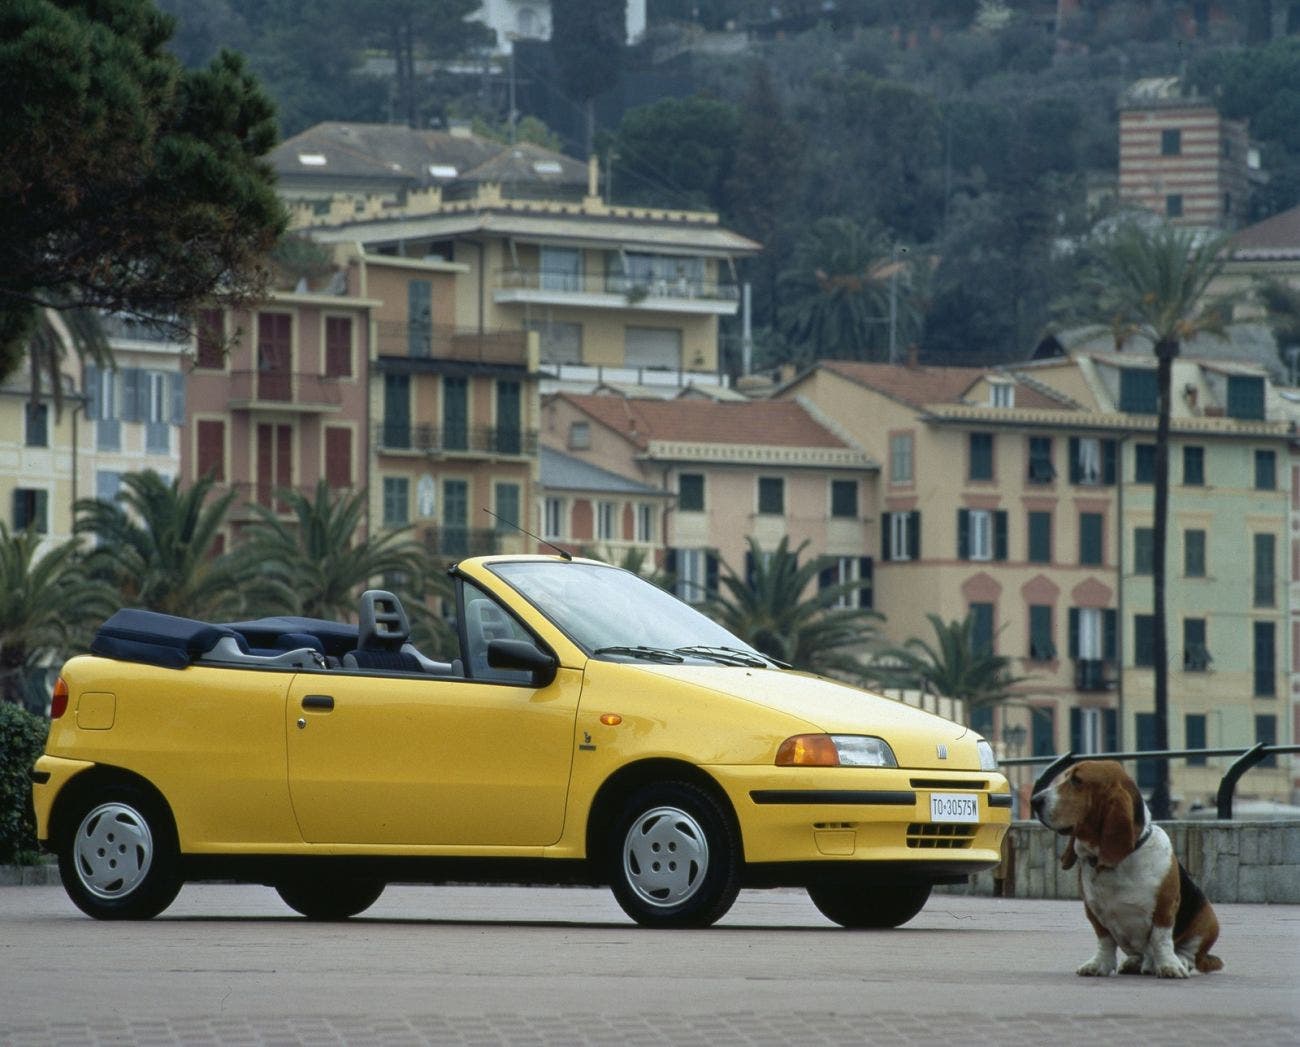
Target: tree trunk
{"points": [[1165, 352]]}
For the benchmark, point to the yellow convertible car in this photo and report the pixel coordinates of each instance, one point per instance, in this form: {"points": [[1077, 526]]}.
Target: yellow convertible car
{"points": [[593, 730]]}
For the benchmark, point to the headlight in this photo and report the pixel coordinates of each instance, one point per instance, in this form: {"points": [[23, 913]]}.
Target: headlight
{"points": [[988, 758], [835, 750]]}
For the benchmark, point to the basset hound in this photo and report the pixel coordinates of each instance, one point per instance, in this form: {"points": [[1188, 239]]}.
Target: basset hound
{"points": [[1136, 893]]}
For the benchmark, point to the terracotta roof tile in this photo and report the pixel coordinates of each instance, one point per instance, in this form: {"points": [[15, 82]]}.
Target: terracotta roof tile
{"points": [[1276, 237], [912, 385]]}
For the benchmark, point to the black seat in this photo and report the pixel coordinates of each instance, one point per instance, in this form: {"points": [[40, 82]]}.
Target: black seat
{"points": [[382, 632]]}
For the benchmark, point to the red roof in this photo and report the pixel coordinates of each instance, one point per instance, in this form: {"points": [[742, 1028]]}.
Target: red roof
{"points": [[918, 385], [1276, 237], [768, 423]]}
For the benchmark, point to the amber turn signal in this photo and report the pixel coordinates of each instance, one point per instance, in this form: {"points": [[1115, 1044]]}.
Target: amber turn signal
{"points": [[611, 719], [808, 750]]}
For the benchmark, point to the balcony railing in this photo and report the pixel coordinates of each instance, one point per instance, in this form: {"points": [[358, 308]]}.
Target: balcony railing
{"points": [[451, 540], [279, 388], [453, 439], [635, 289], [1090, 675], [430, 341]]}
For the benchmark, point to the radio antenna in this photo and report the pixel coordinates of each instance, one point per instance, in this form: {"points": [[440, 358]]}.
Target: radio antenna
{"points": [[564, 553]]}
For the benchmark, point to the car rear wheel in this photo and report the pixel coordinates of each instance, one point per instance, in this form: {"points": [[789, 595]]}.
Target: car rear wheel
{"points": [[675, 857], [862, 906], [329, 898], [120, 859]]}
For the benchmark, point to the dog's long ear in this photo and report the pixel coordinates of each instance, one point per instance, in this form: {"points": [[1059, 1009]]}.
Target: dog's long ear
{"points": [[1118, 831], [1068, 857]]}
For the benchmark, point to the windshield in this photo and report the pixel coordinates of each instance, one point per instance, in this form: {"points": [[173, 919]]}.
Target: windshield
{"points": [[601, 607]]}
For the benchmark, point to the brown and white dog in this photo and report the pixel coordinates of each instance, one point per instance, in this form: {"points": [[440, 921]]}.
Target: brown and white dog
{"points": [[1135, 891]]}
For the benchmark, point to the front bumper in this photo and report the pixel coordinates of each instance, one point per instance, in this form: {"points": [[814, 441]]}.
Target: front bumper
{"points": [[858, 814]]}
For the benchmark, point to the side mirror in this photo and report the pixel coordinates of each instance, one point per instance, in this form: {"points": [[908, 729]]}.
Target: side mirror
{"points": [[521, 654]]}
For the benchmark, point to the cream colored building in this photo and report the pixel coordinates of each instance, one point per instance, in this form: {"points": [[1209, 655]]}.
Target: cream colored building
{"points": [[41, 451]]}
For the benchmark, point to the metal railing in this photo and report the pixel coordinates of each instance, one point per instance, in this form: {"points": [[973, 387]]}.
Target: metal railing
{"points": [[460, 439], [431, 341], [631, 287], [283, 387], [452, 540], [1245, 760]]}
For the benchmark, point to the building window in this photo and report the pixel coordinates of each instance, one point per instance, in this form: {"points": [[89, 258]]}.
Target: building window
{"points": [[1093, 730], [1090, 539], [645, 523], [1002, 394], [981, 628], [553, 518], [1246, 397], [1138, 390], [605, 516], [981, 534], [1092, 460], [1265, 658], [579, 436], [338, 347], [1196, 652], [31, 508], [210, 456], [981, 456], [1194, 737], [690, 492], [771, 496], [1171, 141], [695, 574], [1041, 646], [1040, 537], [1144, 640], [1194, 553], [1174, 205], [1144, 464], [1144, 550], [397, 501], [900, 458], [38, 425], [561, 269], [901, 535], [844, 498], [845, 570], [508, 501], [1043, 731], [1193, 466], [1092, 633], [557, 342], [1266, 470], [1265, 587], [1041, 470], [1266, 734]]}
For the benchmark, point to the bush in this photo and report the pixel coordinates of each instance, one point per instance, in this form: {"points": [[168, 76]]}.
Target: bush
{"points": [[22, 739]]}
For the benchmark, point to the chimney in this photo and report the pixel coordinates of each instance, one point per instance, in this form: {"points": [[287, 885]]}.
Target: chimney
{"points": [[593, 175]]}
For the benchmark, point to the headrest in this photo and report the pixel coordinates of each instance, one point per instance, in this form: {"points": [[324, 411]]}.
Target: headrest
{"points": [[383, 625]]}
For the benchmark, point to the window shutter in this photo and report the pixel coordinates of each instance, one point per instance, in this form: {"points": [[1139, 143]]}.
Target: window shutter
{"points": [[963, 534], [19, 509], [131, 381], [749, 568], [886, 520], [1074, 632], [670, 561], [1109, 730], [827, 577], [42, 512], [1000, 535], [1109, 626], [865, 574], [1076, 730], [93, 377], [176, 392], [914, 534], [1108, 461], [711, 573], [1076, 473]]}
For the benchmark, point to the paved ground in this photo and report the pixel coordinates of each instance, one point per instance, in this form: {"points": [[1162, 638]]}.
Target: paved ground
{"points": [[564, 966]]}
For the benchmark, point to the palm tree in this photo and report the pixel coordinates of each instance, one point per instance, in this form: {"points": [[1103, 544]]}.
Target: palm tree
{"points": [[769, 610], [322, 555], [47, 605], [159, 547], [954, 666], [838, 291], [1155, 280]]}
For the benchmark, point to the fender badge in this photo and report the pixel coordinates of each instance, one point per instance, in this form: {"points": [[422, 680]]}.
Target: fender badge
{"points": [[941, 751], [586, 743]]}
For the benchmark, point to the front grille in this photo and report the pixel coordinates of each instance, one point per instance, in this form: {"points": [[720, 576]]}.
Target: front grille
{"points": [[937, 836]]}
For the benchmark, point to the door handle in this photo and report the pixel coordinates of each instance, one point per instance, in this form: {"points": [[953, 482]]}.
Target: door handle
{"points": [[323, 702]]}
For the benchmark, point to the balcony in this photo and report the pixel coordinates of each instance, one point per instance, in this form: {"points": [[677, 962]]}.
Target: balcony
{"points": [[1090, 675], [431, 342], [452, 439], [250, 493], [450, 540], [616, 291], [283, 391]]}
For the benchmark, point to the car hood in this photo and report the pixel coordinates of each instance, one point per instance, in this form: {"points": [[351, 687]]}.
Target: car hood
{"points": [[836, 708]]}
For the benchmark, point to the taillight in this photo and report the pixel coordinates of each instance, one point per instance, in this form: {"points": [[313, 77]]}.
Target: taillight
{"points": [[59, 698]]}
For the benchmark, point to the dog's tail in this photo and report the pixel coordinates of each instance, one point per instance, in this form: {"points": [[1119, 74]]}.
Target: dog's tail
{"points": [[1207, 962]]}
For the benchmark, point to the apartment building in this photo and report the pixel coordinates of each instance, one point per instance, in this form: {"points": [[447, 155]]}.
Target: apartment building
{"points": [[1022, 496], [766, 469], [40, 457]]}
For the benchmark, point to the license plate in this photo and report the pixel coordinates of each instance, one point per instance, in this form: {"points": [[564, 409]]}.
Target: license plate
{"points": [[954, 807]]}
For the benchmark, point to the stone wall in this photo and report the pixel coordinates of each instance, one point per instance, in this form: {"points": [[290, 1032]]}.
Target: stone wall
{"points": [[1232, 862]]}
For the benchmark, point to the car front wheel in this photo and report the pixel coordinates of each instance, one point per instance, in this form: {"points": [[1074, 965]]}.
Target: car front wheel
{"points": [[328, 898], [675, 858], [866, 907], [120, 861]]}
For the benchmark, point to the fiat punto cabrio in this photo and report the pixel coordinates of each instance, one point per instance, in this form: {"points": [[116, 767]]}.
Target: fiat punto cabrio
{"points": [[593, 729]]}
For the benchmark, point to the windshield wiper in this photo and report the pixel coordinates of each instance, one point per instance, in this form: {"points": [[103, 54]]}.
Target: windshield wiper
{"points": [[650, 654], [732, 656]]}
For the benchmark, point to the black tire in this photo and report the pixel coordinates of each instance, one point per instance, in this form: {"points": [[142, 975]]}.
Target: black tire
{"points": [[674, 857], [118, 856], [329, 898], [866, 907]]}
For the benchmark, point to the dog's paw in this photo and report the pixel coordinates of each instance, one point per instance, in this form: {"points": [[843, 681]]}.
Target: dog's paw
{"points": [[1171, 970], [1095, 968], [1131, 965]]}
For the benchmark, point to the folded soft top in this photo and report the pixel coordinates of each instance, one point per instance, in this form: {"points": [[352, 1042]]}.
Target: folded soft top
{"points": [[135, 635]]}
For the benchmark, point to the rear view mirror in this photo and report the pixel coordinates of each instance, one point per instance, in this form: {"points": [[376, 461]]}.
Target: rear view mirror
{"points": [[520, 654]]}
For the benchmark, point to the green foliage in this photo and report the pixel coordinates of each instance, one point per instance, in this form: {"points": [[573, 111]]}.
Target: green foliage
{"points": [[676, 152], [126, 182], [952, 666], [22, 740], [771, 611], [587, 41]]}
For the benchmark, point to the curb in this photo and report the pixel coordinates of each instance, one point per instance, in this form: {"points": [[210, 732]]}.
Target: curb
{"points": [[45, 874]]}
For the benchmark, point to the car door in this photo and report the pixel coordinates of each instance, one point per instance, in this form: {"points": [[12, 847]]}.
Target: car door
{"points": [[404, 759]]}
